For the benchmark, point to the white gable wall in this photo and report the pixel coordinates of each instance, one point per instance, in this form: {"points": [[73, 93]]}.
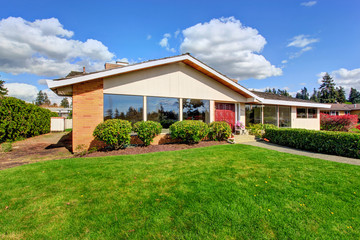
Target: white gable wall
{"points": [[176, 80]]}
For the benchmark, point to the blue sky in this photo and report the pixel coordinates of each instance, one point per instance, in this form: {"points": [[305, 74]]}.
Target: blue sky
{"points": [[263, 43]]}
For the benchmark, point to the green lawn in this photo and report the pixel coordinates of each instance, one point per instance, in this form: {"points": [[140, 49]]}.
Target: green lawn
{"points": [[223, 192]]}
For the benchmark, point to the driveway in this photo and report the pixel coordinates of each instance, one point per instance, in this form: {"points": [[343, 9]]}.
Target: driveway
{"points": [[40, 148]]}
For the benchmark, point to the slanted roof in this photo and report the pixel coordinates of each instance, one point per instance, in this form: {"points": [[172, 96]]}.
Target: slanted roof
{"points": [[271, 98], [185, 58], [344, 107]]}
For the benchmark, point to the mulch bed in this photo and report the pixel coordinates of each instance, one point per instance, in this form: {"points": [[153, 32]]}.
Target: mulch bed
{"points": [[153, 148]]}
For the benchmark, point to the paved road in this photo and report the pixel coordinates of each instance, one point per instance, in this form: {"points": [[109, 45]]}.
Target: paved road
{"points": [[327, 157]]}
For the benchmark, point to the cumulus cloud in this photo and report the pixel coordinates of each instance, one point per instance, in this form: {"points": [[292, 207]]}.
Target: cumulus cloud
{"points": [[164, 42], [345, 78], [22, 91], [44, 47], [229, 47], [308, 4]]}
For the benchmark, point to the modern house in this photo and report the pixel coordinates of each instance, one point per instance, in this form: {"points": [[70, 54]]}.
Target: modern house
{"points": [[172, 89]]}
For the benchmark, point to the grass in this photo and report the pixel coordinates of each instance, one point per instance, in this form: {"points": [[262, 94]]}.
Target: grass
{"points": [[223, 192]]}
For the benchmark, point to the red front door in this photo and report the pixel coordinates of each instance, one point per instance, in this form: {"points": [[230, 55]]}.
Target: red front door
{"points": [[225, 112]]}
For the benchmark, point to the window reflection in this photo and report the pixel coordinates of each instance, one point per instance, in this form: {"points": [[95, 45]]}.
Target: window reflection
{"points": [[123, 107], [163, 110], [253, 114], [195, 109], [270, 115], [284, 116]]}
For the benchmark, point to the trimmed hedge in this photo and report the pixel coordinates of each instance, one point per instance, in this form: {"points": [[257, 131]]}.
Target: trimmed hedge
{"points": [[19, 119], [219, 131], [190, 131], [146, 131], [337, 123], [336, 143], [114, 132]]}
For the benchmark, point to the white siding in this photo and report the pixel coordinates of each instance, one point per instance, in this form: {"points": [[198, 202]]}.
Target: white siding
{"points": [[174, 80], [307, 123]]}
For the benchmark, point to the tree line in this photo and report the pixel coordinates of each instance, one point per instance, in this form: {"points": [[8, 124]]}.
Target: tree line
{"points": [[328, 92]]}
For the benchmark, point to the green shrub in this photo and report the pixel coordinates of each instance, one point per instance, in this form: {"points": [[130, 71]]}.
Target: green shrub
{"points": [[336, 143], [146, 131], [190, 131], [114, 132], [259, 129], [19, 119], [6, 147], [219, 131]]}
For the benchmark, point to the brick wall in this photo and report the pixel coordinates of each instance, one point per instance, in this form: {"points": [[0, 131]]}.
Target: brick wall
{"points": [[88, 99]]}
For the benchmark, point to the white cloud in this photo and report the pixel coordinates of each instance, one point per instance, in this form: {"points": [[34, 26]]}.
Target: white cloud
{"points": [[176, 34], [284, 61], [301, 41], [164, 42], [148, 37], [44, 47], [308, 4], [22, 91], [28, 92], [42, 82], [345, 78], [229, 47]]}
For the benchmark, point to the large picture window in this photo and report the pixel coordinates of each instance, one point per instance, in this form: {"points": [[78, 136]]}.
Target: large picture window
{"points": [[270, 115], [195, 109], [253, 114], [284, 116], [163, 110], [123, 107]]}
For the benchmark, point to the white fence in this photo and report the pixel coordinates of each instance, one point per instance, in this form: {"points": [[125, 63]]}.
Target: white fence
{"points": [[59, 124]]}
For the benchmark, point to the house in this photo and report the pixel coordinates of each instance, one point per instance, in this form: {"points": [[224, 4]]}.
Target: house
{"points": [[172, 89], [342, 109]]}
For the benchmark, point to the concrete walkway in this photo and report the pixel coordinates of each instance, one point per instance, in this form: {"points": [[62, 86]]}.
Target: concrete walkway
{"points": [[279, 148]]}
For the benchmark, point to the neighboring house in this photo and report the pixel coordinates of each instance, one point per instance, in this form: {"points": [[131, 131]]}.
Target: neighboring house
{"points": [[62, 112], [171, 89], [342, 109]]}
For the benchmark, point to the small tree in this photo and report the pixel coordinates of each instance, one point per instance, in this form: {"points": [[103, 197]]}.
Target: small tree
{"points": [[303, 94], [354, 96], [340, 96], [40, 99], [327, 91], [65, 103], [315, 96], [3, 90], [46, 100]]}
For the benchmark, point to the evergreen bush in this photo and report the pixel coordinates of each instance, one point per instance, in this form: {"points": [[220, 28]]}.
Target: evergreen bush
{"points": [[146, 131], [19, 119], [189, 131], [114, 132], [219, 131]]}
